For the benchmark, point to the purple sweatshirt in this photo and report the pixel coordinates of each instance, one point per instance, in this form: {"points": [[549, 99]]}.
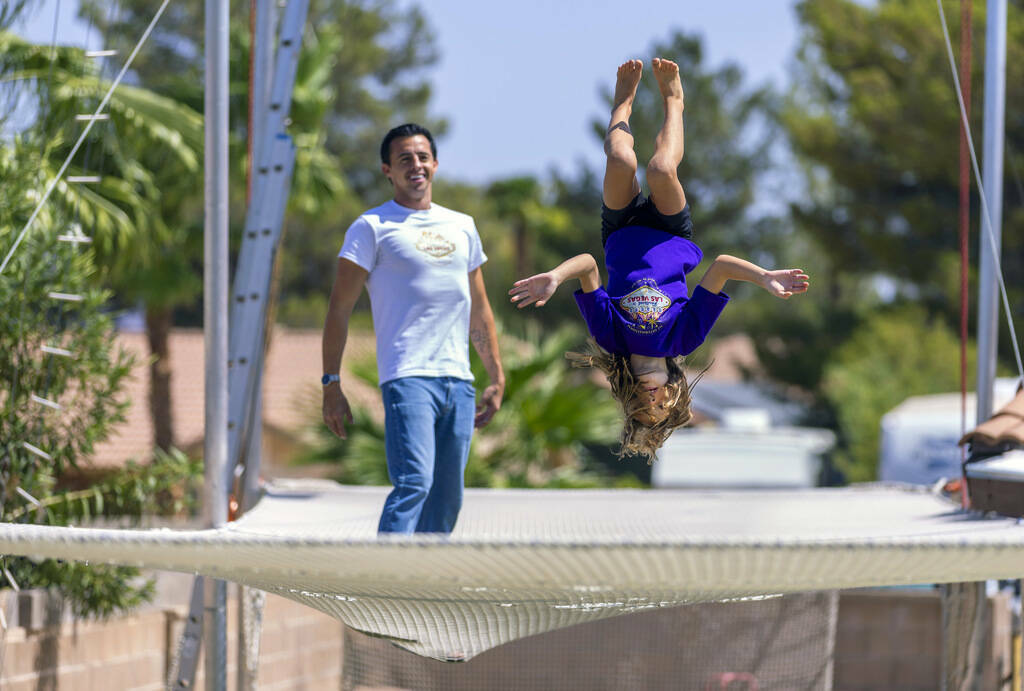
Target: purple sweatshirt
{"points": [[646, 309]]}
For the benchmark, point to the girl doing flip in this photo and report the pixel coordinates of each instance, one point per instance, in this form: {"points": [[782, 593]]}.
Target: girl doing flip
{"points": [[644, 323]]}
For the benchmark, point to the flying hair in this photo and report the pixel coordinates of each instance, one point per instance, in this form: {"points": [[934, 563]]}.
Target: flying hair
{"points": [[638, 438]]}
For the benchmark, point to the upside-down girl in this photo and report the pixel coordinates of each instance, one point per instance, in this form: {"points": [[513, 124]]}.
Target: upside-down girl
{"points": [[645, 322]]}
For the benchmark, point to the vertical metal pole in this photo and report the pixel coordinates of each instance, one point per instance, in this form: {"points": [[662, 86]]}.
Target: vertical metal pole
{"points": [[215, 327], [964, 605], [992, 174], [250, 600], [966, 50]]}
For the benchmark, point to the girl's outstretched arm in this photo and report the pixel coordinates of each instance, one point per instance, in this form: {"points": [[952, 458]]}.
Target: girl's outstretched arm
{"points": [[539, 289], [781, 283]]}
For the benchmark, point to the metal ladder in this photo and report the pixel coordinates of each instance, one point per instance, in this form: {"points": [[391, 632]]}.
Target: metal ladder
{"points": [[274, 155]]}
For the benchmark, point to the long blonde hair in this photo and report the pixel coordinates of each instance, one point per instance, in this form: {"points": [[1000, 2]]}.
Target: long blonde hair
{"points": [[638, 438]]}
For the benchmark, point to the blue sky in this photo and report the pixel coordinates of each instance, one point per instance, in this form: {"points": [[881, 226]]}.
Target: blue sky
{"points": [[530, 71]]}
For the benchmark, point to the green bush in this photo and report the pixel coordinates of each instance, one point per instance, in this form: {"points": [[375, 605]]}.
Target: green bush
{"points": [[539, 438], [86, 385], [889, 358]]}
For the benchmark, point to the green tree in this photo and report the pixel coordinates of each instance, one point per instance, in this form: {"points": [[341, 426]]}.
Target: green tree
{"points": [[518, 202], [549, 416], [873, 118], [145, 214], [526, 232], [872, 121], [891, 356], [366, 62], [86, 380], [11, 11], [42, 446]]}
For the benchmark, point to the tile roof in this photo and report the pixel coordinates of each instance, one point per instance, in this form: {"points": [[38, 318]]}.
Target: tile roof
{"points": [[290, 397], [731, 356]]}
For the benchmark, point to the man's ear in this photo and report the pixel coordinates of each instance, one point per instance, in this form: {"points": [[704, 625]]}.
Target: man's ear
{"points": [[386, 169]]}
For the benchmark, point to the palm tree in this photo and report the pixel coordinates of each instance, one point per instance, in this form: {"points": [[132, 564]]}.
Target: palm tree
{"points": [[146, 213], [519, 202]]}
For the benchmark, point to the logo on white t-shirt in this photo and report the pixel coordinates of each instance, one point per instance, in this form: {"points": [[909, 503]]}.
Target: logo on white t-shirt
{"points": [[434, 245], [644, 305]]}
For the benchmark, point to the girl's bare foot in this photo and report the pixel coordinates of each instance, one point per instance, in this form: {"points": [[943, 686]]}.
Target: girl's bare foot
{"points": [[626, 80], [620, 183], [667, 74]]}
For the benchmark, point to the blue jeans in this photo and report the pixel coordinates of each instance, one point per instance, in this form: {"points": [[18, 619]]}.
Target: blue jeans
{"points": [[428, 427]]}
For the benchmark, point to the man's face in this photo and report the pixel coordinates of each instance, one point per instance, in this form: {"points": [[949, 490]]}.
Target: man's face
{"points": [[411, 170]]}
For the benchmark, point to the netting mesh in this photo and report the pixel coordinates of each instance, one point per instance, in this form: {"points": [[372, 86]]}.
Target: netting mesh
{"points": [[783, 643], [522, 563]]}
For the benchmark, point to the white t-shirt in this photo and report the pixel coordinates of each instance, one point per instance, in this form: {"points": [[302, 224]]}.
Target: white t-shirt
{"points": [[419, 264]]}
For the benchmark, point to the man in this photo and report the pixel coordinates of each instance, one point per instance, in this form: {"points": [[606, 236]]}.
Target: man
{"points": [[420, 263]]}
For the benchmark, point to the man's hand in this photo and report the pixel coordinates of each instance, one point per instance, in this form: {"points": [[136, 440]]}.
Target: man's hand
{"points": [[336, 410], [785, 282], [489, 404], [535, 289]]}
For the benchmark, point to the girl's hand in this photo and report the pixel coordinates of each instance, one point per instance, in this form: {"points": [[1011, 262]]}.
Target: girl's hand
{"points": [[535, 289], [785, 282]]}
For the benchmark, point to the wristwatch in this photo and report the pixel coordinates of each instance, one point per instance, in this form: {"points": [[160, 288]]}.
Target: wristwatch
{"points": [[328, 378]]}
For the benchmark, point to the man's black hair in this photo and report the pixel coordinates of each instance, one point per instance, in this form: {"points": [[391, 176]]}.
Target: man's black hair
{"points": [[409, 129]]}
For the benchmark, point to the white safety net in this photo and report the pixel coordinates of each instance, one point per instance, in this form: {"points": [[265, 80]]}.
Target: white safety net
{"points": [[522, 562]]}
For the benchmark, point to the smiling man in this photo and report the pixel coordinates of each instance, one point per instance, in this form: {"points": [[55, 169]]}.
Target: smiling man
{"points": [[420, 263]]}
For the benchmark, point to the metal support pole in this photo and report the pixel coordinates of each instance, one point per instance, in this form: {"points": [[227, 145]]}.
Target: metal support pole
{"points": [[988, 286], [250, 600], [215, 327], [964, 605]]}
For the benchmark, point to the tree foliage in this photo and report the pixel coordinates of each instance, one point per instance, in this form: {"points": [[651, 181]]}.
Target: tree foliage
{"points": [[146, 213], [891, 356], [11, 11], [873, 117], [872, 120], [40, 444], [30, 320], [539, 438], [145, 155], [362, 70]]}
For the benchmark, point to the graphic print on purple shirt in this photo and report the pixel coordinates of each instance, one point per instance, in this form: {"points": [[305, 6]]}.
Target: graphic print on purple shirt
{"points": [[645, 309], [644, 305]]}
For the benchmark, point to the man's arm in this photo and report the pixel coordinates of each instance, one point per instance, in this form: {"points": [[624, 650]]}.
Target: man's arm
{"points": [[781, 283], [484, 337], [348, 284], [539, 289]]}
